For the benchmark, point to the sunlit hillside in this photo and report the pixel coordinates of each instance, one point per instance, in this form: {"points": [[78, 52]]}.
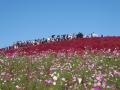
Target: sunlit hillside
{"points": [[65, 64]]}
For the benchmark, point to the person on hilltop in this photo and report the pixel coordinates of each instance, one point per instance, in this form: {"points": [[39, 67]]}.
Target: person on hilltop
{"points": [[94, 35], [79, 35]]}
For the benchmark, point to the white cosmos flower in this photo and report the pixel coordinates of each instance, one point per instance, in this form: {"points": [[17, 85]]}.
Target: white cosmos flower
{"points": [[79, 80], [55, 78], [54, 83], [17, 86], [63, 79]]}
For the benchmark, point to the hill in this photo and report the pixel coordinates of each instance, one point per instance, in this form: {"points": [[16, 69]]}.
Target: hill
{"points": [[72, 64]]}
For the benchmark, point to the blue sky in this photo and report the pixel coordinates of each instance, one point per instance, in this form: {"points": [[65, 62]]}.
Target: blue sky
{"points": [[30, 19]]}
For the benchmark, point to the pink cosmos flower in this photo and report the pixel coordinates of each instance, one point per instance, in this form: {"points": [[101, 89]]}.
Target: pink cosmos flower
{"points": [[104, 84], [99, 83], [99, 77], [74, 78], [96, 88], [48, 81], [117, 73]]}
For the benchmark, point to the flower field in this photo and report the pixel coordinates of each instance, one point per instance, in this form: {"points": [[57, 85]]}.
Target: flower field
{"points": [[50, 71], [78, 64]]}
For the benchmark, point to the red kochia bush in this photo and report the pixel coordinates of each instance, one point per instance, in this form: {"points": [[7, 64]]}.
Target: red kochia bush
{"points": [[77, 44]]}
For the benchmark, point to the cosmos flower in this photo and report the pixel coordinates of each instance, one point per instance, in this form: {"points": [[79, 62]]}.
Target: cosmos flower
{"points": [[99, 77], [79, 80], [19, 88], [74, 78], [96, 88], [63, 79], [48, 81], [54, 83], [103, 84], [55, 78]]}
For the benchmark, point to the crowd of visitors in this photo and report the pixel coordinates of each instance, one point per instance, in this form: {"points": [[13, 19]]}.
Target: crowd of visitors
{"points": [[53, 38]]}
